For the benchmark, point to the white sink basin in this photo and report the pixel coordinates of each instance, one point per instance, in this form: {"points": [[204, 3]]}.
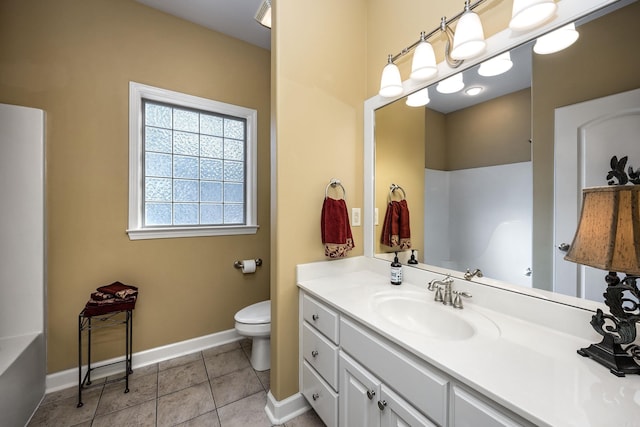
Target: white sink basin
{"points": [[417, 312]]}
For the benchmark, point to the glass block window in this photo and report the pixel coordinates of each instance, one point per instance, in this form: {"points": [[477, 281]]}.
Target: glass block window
{"points": [[192, 168]]}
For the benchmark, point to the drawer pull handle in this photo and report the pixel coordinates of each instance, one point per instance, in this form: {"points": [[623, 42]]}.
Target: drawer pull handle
{"points": [[382, 404], [314, 353], [315, 396], [371, 394], [315, 317]]}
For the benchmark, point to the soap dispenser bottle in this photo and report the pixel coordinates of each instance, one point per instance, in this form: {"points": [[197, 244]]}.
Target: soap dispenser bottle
{"points": [[396, 271], [413, 259]]}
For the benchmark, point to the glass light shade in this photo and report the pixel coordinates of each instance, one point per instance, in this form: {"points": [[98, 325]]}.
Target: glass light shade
{"points": [[495, 66], [528, 14], [468, 40], [556, 40], [607, 235], [419, 98], [423, 65], [391, 82], [451, 84]]}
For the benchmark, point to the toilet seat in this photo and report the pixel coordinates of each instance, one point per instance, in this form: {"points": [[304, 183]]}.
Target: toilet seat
{"points": [[255, 314]]}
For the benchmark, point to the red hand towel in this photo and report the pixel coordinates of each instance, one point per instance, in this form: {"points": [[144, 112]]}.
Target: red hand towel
{"points": [[396, 229], [335, 229], [404, 227], [390, 232]]}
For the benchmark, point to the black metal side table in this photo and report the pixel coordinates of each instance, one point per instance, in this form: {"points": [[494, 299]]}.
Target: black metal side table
{"points": [[89, 321]]}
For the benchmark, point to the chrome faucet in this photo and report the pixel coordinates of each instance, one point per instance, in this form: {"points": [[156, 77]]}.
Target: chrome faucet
{"points": [[444, 292], [438, 286], [471, 274]]}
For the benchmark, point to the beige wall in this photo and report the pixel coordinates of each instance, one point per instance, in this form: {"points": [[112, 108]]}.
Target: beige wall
{"points": [[400, 136], [74, 59], [318, 57], [603, 61], [496, 132]]}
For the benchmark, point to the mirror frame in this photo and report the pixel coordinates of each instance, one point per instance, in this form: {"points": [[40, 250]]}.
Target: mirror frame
{"points": [[567, 11]]}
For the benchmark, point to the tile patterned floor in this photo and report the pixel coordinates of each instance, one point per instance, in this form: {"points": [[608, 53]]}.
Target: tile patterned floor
{"points": [[212, 388]]}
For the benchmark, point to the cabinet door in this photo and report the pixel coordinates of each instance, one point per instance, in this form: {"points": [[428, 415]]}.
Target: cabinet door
{"points": [[469, 411], [397, 412], [359, 395]]}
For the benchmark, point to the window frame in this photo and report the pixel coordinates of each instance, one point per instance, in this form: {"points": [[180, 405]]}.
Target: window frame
{"points": [[136, 229]]}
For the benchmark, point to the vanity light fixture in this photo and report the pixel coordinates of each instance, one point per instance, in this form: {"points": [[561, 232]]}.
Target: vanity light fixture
{"points": [[556, 40], [608, 238], [468, 44], [263, 15], [391, 82], [451, 85], [528, 14], [496, 66], [473, 91], [468, 40], [419, 98]]}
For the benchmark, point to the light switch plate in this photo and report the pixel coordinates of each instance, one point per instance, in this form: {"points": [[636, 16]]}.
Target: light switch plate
{"points": [[355, 217]]}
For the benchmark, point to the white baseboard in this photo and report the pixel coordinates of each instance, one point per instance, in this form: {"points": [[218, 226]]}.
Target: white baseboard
{"points": [[282, 411], [69, 378]]}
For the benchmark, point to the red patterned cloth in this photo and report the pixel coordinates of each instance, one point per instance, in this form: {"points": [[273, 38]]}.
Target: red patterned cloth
{"points": [[396, 228], [119, 290], [335, 228], [111, 298]]}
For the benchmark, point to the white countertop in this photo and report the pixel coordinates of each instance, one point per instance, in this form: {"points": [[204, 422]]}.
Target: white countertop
{"points": [[527, 367]]}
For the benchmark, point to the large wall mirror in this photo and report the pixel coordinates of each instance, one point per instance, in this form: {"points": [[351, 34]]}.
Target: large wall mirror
{"points": [[479, 193]]}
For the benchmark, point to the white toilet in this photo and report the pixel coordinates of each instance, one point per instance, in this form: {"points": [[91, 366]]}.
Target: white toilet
{"points": [[254, 322]]}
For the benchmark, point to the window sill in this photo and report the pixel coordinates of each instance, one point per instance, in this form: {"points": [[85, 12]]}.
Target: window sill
{"points": [[171, 233]]}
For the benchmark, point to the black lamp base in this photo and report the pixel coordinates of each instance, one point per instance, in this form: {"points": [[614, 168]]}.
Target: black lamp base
{"points": [[611, 355]]}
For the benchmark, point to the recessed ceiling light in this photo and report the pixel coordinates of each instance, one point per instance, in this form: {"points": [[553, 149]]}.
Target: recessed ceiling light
{"points": [[473, 91]]}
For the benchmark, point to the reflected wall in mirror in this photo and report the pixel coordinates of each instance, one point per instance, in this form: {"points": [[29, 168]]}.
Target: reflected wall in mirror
{"points": [[480, 193]]}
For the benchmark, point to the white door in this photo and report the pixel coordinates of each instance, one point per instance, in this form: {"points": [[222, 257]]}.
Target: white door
{"points": [[587, 135]]}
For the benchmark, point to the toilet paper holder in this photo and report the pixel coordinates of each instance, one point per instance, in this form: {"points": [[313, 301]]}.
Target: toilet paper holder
{"points": [[239, 264]]}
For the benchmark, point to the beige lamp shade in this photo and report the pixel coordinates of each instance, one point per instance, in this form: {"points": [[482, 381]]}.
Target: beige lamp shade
{"points": [[608, 235]]}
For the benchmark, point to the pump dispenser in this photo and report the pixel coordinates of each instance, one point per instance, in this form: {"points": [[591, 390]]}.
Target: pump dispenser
{"points": [[396, 271], [413, 259]]}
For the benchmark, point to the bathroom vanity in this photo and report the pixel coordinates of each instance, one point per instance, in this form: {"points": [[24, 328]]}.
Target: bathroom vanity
{"points": [[374, 354]]}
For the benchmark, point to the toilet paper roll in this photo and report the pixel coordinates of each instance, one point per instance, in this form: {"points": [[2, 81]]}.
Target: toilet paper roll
{"points": [[248, 266]]}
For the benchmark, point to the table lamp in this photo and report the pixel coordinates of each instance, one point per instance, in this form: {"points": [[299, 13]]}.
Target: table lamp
{"points": [[608, 238]]}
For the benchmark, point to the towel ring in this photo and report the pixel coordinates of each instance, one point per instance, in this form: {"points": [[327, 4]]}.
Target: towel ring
{"points": [[333, 184], [392, 190]]}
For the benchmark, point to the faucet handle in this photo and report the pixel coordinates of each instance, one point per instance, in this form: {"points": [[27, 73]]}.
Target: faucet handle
{"points": [[457, 301], [438, 296]]}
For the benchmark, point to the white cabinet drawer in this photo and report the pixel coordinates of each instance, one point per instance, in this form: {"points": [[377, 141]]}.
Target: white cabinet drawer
{"points": [[320, 396], [321, 317], [320, 353], [422, 388]]}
